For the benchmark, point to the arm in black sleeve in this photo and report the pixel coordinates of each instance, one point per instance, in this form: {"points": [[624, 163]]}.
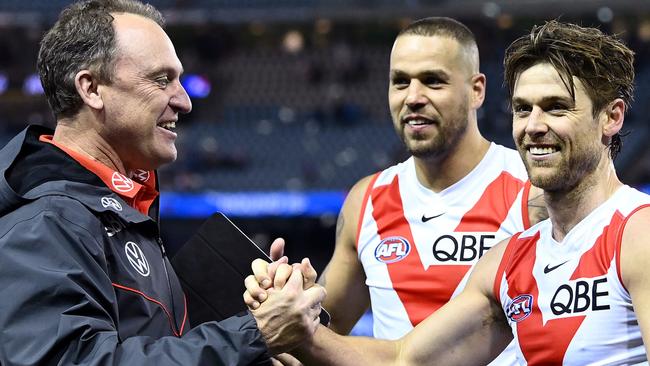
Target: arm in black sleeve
{"points": [[58, 307]]}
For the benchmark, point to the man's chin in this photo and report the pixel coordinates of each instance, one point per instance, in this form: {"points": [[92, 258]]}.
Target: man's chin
{"points": [[549, 182], [167, 160], [425, 150]]}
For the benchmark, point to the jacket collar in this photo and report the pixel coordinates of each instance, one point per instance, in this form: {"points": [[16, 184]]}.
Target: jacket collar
{"points": [[30, 169]]}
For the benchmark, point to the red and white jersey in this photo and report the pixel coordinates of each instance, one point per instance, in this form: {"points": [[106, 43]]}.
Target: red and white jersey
{"points": [[417, 246], [565, 301]]}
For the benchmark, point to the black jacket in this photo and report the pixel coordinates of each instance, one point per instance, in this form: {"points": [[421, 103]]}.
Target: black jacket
{"points": [[84, 278]]}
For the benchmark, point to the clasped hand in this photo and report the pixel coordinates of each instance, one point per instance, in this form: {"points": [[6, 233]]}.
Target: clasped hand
{"points": [[285, 301]]}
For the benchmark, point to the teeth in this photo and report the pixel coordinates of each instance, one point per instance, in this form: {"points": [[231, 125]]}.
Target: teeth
{"points": [[418, 122], [541, 150], [168, 125]]}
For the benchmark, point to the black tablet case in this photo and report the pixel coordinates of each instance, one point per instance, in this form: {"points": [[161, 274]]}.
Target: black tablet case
{"points": [[212, 266]]}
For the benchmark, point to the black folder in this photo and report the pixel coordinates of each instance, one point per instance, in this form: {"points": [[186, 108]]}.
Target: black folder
{"points": [[212, 266]]}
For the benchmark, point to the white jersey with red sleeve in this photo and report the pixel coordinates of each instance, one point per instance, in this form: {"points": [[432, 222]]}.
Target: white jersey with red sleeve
{"points": [[565, 301], [417, 246]]}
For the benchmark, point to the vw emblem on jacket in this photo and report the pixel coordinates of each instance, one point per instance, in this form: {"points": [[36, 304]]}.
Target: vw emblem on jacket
{"points": [[137, 258], [112, 203], [121, 183], [141, 175]]}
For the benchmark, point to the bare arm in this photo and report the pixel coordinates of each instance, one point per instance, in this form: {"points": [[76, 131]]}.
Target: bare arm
{"points": [[469, 330], [635, 262], [344, 278]]}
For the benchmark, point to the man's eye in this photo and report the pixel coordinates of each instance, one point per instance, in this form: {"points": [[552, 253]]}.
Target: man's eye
{"points": [[400, 82], [432, 81], [521, 111], [521, 108], [557, 107], [163, 81]]}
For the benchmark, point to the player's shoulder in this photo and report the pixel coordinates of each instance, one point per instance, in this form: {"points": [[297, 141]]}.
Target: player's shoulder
{"points": [[632, 204], [382, 177], [637, 222], [634, 243], [362, 185]]}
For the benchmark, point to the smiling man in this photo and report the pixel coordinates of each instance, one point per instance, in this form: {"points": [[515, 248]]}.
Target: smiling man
{"points": [[84, 278], [408, 236], [573, 289]]}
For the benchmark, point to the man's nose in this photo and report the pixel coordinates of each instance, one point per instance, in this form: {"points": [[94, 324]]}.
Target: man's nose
{"points": [[535, 123], [180, 101], [415, 97]]}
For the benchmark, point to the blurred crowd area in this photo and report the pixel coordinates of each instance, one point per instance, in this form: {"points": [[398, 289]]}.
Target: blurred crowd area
{"points": [[301, 104]]}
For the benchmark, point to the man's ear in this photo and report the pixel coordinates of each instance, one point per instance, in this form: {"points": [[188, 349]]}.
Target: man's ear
{"points": [[478, 90], [613, 114], [87, 84]]}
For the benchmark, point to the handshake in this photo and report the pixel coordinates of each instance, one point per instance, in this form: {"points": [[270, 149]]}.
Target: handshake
{"points": [[285, 300]]}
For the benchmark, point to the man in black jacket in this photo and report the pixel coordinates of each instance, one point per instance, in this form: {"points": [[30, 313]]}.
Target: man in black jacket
{"points": [[84, 278]]}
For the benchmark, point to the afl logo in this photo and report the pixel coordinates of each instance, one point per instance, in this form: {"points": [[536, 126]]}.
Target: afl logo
{"points": [[121, 183], [520, 308], [112, 203], [392, 249], [137, 258]]}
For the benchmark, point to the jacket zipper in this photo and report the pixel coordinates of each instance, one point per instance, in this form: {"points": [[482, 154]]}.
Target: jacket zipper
{"points": [[169, 285]]}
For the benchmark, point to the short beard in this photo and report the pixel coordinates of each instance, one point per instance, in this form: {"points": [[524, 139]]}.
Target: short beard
{"points": [[570, 174], [441, 144]]}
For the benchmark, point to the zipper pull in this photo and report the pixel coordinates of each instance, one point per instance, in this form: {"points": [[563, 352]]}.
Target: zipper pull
{"points": [[162, 247]]}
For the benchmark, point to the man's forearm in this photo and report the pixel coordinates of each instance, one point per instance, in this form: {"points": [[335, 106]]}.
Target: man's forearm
{"points": [[329, 348]]}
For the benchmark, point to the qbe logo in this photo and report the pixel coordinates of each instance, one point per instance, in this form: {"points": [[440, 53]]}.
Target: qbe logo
{"points": [[520, 308], [392, 249]]}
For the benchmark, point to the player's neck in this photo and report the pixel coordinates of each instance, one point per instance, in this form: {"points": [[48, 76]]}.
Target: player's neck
{"points": [[567, 209], [443, 171]]}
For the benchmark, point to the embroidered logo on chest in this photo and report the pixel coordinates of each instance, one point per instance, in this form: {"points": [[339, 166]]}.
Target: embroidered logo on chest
{"points": [[137, 259], [392, 249], [520, 308], [111, 202]]}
